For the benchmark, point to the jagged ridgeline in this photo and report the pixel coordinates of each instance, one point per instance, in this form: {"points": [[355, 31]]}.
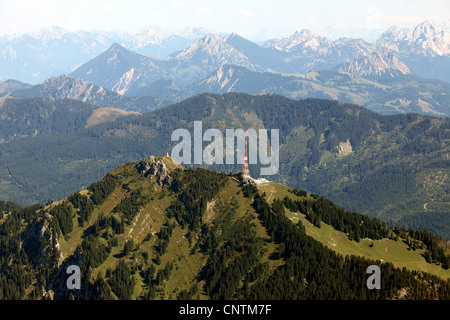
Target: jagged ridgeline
{"points": [[153, 229]]}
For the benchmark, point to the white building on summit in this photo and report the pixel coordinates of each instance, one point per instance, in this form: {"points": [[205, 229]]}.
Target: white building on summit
{"points": [[246, 172]]}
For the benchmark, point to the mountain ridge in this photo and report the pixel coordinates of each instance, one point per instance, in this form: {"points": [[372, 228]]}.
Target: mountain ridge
{"points": [[66, 87], [420, 48], [378, 64], [12, 85], [395, 166], [382, 83], [133, 237], [37, 116], [197, 62], [382, 93], [123, 69]]}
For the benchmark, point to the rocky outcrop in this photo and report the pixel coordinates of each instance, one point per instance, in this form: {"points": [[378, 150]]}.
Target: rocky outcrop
{"points": [[155, 167], [344, 148], [56, 288], [41, 243]]}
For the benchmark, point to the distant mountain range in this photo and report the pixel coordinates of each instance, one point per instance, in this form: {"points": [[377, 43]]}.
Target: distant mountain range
{"points": [[158, 41], [36, 57], [120, 70], [65, 87], [383, 94], [380, 82], [123, 71], [387, 76]]}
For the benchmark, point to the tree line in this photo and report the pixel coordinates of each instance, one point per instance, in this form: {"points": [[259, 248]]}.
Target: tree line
{"points": [[313, 271]]}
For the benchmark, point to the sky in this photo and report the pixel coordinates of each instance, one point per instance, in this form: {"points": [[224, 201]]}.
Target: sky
{"points": [[253, 19]]}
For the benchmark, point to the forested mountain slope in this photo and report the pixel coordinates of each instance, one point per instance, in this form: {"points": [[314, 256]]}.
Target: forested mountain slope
{"points": [[152, 229], [30, 117], [395, 167]]}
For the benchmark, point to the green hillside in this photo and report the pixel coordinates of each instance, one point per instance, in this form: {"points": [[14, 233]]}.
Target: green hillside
{"points": [[152, 229], [394, 250], [385, 95], [31, 117], [393, 167]]}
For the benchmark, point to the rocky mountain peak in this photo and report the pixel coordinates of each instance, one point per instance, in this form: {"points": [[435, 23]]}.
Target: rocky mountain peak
{"points": [[422, 31], [393, 33], [64, 86], [424, 39], [233, 36], [303, 35], [155, 40], [116, 47], [155, 167], [211, 43], [149, 35], [221, 77], [67, 82], [303, 40], [60, 79], [153, 30], [49, 33], [211, 38], [212, 52], [376, 64]]}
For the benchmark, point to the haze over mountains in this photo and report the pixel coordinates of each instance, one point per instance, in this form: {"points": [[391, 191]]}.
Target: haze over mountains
{"points": [[383, 76], [65, 87], [52, 51], [35, 57], [354, 72]]}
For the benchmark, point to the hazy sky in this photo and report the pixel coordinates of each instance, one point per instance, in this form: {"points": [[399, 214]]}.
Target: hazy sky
{"points": [[246, 17]]}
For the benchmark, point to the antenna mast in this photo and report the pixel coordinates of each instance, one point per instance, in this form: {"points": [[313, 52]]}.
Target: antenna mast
{"points": [[246, 173]]}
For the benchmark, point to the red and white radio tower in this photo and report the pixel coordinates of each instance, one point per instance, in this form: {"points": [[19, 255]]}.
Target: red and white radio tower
{"points": [[246, 174]]}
